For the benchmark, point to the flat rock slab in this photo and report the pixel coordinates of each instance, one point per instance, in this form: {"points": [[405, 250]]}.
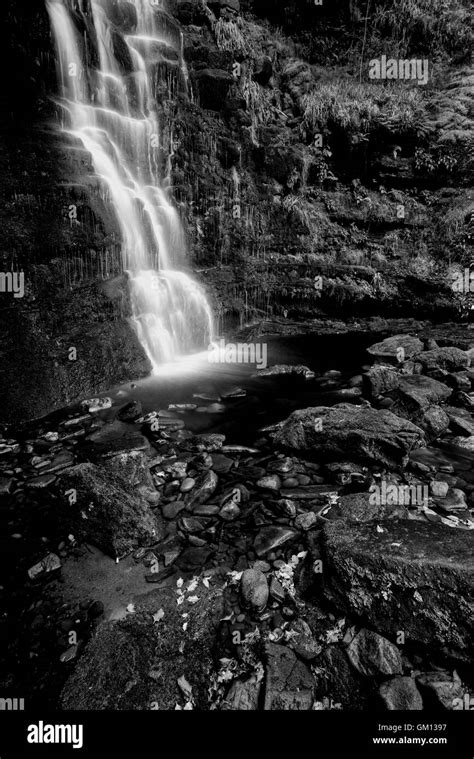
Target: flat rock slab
{"points": [[404, 576], [115, 438], [371, 435]]}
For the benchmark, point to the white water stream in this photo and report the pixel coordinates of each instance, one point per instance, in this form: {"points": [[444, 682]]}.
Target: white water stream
{"points": [[113, 114]]}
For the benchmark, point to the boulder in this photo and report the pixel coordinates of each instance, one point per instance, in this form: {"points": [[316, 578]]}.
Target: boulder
{"points": [[401, 694], [420, 392], [98, 506], [404, 576], [449, 359], [254, 589], [289, 683], [397, 348], [343, 431], [132, 665], [373, 655]]}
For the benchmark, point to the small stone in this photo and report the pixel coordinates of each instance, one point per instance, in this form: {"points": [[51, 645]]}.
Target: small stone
{"points": [[51, 563], [170, 556], [306, 521], [191, 525], [277, 591], [272, 537], [271, 482], [171, 510], [290, 482], [303, 643], [254, 589], [281, 466], [439, 488], [187, 484], [6, 485], [371, 654], [130, 412], [287, 507], [261, 566], [303, 479], [230, 511], [401, 694]]}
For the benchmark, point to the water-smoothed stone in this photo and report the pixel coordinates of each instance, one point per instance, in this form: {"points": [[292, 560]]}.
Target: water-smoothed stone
{"points": [[281, 466], [230, 511], [397, 348], [47, 567], [203, 489], [399, 576], [303, 642], [254, 589], [101, 508], [377, 436], [193, 558], [306, 521], [372, 655], [221, 464], [171, 510], [270, 538], [401, 694], [272, 482], [187, 484]]}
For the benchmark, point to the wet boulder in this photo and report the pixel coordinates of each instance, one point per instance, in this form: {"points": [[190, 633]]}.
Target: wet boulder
{"points": [[404, 576], [396, 349], [337, 432], [99, 506]]}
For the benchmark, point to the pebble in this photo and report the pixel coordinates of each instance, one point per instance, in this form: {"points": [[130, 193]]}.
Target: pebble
{"points": [[271, 482], [171, 510], [306, 521], [254, 589], [187, 484]]}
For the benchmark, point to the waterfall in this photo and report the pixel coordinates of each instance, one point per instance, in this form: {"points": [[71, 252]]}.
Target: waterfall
{"points": [[107, 92]]}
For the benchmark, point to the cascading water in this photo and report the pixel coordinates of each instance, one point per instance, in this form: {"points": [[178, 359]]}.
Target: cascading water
{"points": [[112, 112]]}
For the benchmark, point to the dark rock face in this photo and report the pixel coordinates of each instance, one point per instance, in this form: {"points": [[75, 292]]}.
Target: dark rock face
{"points": [[131, 664], [106, 510], [343, 431], [398, 578]]}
